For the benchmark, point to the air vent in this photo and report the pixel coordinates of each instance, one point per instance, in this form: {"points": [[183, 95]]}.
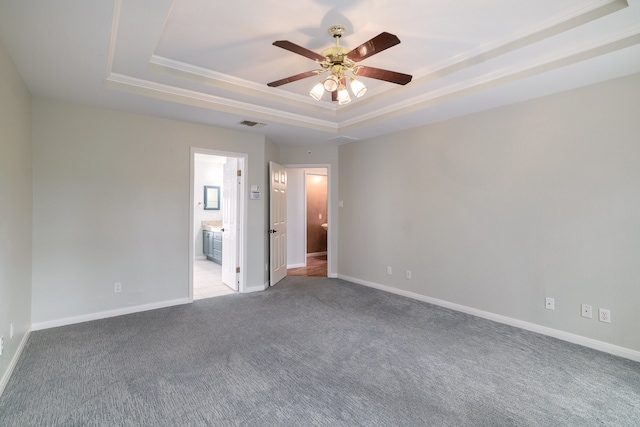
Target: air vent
{"points": [[252, 124]]}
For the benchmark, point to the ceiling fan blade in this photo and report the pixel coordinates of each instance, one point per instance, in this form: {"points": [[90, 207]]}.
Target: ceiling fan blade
{"points": [[292, 47], [376, 45], [294, 78], [386, 75]]}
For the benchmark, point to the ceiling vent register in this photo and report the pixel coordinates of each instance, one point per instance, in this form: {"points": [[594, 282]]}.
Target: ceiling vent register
{"points": [[252, 124]]}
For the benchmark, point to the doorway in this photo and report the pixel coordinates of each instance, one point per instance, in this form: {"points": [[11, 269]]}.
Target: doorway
{"points": [[217, 224], [308, 212]]}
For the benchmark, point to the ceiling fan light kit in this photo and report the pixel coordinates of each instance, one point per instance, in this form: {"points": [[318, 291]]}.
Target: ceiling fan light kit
{"points": [[338, 60], [343, 96], [357, 87], [331, 83], [317, 91]]}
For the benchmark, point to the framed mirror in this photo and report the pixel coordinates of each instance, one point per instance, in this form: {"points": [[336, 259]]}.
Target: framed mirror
{"points": [[211, 197]]}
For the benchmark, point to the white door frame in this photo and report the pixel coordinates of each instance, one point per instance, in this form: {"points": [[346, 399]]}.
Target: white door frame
{"points": [[242, 213], [330, 261]]}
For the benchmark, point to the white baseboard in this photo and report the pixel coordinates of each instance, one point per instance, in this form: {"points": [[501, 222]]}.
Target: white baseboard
{"points": [[200, 257], [302, 264], [249, 289], [544, 330], [333, 275], [14, 360], [316, 254], [109, 313]]}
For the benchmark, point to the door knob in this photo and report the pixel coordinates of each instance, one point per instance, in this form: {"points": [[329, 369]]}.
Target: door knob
{"points": [[273, 231]]}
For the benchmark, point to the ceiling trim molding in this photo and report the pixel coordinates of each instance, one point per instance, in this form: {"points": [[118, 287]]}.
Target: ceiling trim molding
{"points": [[628, 38], [225, 81], [113, 36], [556, 25], [212, 102]]}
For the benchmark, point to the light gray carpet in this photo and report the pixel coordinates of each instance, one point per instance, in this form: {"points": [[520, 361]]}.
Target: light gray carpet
{"points": [[313, 351]]}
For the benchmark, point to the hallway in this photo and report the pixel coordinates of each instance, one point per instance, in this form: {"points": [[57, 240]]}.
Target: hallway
{"points": [[316, 266]]}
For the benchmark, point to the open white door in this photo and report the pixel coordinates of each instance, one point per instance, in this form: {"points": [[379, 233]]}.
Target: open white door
{"points": [[231, 183], [278, 223]]}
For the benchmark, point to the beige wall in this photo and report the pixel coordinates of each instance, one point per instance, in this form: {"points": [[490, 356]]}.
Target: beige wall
{"points": [[15, 211], [111, 204], [499, 209]]}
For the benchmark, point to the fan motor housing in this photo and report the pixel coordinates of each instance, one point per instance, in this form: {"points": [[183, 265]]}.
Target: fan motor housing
{"points": [[335, 54]]}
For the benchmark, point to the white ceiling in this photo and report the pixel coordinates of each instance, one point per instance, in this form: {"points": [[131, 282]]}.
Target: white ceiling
{"points": [[209, 61]]}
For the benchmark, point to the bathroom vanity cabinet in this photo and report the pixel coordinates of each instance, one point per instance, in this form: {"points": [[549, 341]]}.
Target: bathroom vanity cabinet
{"points": [[212, 245]]}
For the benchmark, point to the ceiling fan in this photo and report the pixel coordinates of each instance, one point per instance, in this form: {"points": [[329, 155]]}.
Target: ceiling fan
{"points": [[338, 60]]}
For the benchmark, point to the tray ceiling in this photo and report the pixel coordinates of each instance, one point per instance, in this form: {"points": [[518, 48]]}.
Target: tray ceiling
{"points": [[209, 62]]}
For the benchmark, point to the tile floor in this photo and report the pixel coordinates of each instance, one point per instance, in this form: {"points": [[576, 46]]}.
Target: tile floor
{"points": [[207, 280]]}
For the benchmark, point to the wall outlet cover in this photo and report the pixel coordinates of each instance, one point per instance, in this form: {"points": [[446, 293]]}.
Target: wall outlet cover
{"points": [[604, 315], [587, 311], [549, 303]]}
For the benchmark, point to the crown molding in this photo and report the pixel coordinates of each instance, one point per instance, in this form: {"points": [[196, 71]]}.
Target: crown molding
{"points": [[113, 35], [558, 24], [627, 38], [225, 81], [212, 102]]}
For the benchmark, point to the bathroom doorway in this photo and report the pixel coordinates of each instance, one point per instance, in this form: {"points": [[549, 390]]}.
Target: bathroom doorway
{"points": [[217, 212], [308, 208]]}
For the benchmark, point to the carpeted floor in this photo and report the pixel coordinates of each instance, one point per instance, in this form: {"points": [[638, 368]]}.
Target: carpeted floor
{"points": [[313, 351]]}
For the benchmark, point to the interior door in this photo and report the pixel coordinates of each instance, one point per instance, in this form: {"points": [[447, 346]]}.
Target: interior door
{"points": [[278, 223], [230, 187]]}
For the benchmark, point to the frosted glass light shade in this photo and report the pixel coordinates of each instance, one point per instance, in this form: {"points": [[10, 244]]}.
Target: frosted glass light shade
{"points": [[343, 96], [331, 83], [317, 91], [357, 87]]}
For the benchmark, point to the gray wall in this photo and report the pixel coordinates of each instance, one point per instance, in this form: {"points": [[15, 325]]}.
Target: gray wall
{"points": [[15, 210], [497, 210], [111, 204]]}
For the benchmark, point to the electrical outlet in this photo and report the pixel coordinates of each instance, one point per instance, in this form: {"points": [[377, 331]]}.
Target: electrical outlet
{"points": [[605, 315], [408, 274], [1, 345], [117, 287], [550, 303], [389, 271], [587, 311]]}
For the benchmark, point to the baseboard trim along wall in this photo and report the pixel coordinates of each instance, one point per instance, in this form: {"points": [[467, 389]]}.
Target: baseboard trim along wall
{"points": [[555, 333], [249, 289], [312, 254], [14, 361], [109, 313]]}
